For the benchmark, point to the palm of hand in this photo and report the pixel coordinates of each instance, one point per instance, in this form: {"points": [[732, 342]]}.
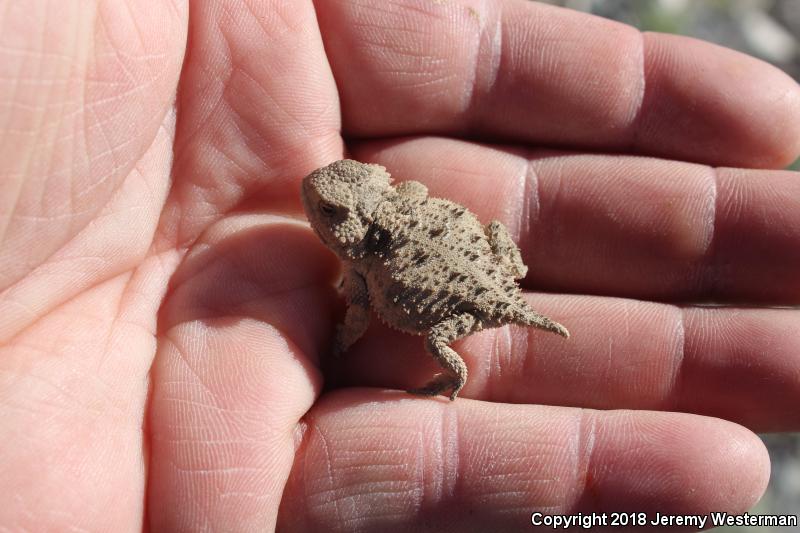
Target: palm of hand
{"points": [[161, 331]]}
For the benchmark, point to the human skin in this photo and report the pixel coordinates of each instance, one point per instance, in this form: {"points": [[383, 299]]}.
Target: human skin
{"points": [[165, 310]]}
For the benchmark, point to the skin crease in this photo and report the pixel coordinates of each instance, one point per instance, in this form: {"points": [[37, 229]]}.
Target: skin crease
{"points": [[164, 306]]}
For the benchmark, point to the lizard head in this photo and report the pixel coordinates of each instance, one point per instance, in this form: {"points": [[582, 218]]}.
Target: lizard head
{"points": [[340, 200]]}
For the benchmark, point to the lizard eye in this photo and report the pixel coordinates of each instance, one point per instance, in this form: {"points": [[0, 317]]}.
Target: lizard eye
{"points": [[327, 209]]}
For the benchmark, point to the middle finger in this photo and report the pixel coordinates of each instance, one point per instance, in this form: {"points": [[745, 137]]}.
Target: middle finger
{"points": [[622, 225]]}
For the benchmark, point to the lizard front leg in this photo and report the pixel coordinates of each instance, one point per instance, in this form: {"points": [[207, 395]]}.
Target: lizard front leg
{"points": [[357, 316]]}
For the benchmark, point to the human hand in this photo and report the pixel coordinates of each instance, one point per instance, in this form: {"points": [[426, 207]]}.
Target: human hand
{"points": [[163, 303]]}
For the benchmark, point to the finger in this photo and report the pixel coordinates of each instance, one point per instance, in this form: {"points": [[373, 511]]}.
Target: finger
{"points": [[737, 364], [626, 226], [528, 72], [258, 112], [375, 461], [233, 374]]}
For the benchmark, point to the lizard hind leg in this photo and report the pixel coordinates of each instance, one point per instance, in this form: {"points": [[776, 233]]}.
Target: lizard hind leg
{"points": [[455, 370], [504, 249]]}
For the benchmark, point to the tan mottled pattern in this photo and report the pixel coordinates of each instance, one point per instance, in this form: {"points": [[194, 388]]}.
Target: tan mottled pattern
{"points": [[425, 265]]}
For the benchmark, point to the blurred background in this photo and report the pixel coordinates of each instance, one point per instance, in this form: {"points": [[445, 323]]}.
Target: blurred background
{"points": [[770, 30]]}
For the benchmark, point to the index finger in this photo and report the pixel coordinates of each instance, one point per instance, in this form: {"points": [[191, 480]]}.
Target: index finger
{"points": [[526, 72]]}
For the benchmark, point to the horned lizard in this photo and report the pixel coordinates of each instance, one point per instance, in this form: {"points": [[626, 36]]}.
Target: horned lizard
{"points": [[425, 265]]}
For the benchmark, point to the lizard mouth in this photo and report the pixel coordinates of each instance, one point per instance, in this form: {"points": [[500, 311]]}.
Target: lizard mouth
{"points": [[322, 238]]}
